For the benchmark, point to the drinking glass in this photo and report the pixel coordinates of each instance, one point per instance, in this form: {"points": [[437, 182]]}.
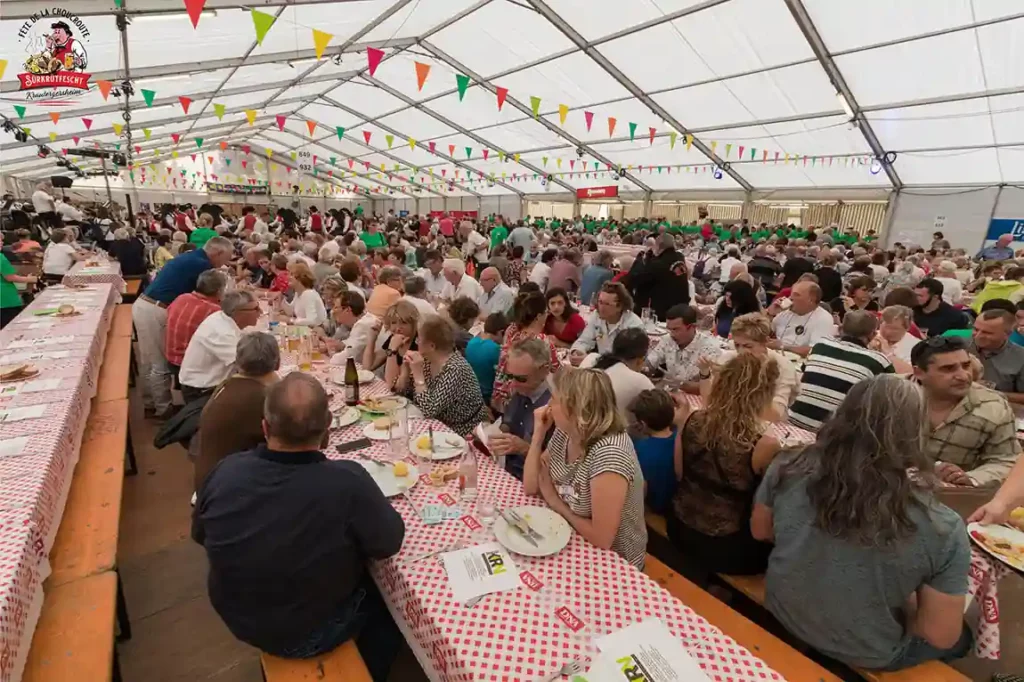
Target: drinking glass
{"points": [[486, 510], [398, 435]]}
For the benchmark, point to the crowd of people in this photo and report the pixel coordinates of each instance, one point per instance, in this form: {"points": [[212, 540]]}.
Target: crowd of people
{"points": [[904, 365]]}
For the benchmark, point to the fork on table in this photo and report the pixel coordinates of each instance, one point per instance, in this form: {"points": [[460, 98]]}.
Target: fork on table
{"points": [[573, 667]]}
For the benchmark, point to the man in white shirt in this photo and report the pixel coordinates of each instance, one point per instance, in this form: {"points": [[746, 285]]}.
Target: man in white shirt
{"points": [[475, 245], [46, 209], [415, 291], [804, 324], [497, 297], [210, 356], [541, 272], [68, 213], [732, 258], [352, 315], [59, 255], [432, 272], [459, 283], [679, 353], [952, 289], [614, 313]]}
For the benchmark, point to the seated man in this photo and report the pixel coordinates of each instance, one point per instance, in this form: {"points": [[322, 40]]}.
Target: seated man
{"points": [[459, 283], [291, 582], [972, 436], [188, 311], [678, 356], [210, 356], [614, 313], [528, 367], [833, 367], [804, 324], [497, 297], [1003, 361]]}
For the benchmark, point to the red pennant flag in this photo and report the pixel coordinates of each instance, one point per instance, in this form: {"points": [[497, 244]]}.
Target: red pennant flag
{"points": [[76, 139], [311, 125], [244, 164], [776, 157], [432, 145], [572, 164], [246, 148], [88, 123], [175, 137], [486, 152], [195, 10], [281, 118], [193, 157], [367, 135], [502, 94], [589, 115], [451, 150], [373, 57], [366, 165], [350, 163], [443, 172], [652, 131], [185, 102], [314, 159], [104, 87], [138, 149]]}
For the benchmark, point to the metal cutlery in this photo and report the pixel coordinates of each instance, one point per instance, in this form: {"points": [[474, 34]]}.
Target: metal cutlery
{"points": [[367, 458], [522, 523], [448, 548], [513, 523], [573, 667]]}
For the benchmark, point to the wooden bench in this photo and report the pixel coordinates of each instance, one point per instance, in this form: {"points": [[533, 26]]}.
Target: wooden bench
{"points": [[113, 381], [131, 290], [74, 639], [122, 322], [344, 664], [752, 586], [781, 657]]}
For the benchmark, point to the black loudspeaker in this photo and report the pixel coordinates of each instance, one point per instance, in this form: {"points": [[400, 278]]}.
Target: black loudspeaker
{"points": [[61, 181]]}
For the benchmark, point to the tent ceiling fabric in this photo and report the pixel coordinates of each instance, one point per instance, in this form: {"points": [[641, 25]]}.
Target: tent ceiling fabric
{"points": [[746, 87]]}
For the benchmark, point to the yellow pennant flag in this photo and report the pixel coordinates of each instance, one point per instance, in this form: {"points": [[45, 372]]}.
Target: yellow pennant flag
{"points": [[672, 140], [174, 154], [269, 151], [713, 145], [558, 161], [689, 142], [53, 137], [320, 40], [516, 157], [117, 127], [563, 111], [412, 143], [3, 67], [251, 115]]}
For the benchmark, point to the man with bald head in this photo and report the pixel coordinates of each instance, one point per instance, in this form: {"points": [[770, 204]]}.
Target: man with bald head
{"points": [[497, 297], [287, 532], [804, 323]]}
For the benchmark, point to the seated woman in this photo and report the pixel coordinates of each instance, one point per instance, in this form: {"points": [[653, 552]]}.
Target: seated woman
{"points": [[750, 334], [307, 308], [894, 338], [516, 274], [529, 315], [400, 322], [388, 290], [859, 296], [463, 312], [720, 455], [589, 472], [564, 324], [440, 381], [279, 271], [868, 566], [738, 298], [130, 252], [623, 366], [232, 420]]}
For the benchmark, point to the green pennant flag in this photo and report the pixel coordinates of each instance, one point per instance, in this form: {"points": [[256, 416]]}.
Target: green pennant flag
{"points": [[463, 83], [334, 160], [227, 161], [262, 21], [595, 165], [535, 105], [20, 110], [218, 110], [117, 146], [469, 152], [199, 142], [148, 95], [341, 132], [390, 139], [632, 131], [753, 152]]}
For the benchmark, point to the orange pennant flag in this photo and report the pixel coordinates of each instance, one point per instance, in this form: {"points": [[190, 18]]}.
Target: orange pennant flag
{"points": [[54, 116], [104, 87], [611, 126], [422, 71], [311, 125]]}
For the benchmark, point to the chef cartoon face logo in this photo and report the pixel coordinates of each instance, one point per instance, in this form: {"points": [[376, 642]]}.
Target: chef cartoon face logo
{"points": [[55, 68]]}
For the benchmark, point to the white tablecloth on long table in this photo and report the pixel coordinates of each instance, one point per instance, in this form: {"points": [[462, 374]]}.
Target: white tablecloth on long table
{"points": [[105, 272], [34, 481]]}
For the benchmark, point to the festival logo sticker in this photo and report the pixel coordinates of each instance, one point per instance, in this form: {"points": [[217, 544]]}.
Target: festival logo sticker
{"points": [[55, 68]]}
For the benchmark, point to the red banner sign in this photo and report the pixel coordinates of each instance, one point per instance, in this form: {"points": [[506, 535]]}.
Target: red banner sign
{"points": [[454, 215], [597, 192], [61, 79]]}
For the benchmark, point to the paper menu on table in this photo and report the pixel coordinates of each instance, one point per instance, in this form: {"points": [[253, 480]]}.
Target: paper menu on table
{"points": [[479, 570], [8, 390], [643, 651], [12, 447], [49, 341], [19, 413]]}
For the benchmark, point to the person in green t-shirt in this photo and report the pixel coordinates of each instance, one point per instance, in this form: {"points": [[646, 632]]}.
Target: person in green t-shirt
{"points": [[590, 226], [204, 231], [555, 223], [359, 210], [10, 299], [372, 238], [499, 233]]}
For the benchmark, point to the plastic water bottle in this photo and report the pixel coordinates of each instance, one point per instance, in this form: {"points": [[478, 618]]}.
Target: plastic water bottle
{"points": [[467, 476]]}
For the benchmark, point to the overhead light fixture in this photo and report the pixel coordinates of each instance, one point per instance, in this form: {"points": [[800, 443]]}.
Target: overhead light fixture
{"points": [[164, 16], [844, 104]]}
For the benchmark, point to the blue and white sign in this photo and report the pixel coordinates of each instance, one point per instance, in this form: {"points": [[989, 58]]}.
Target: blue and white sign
{"points": [[1000, 226]]}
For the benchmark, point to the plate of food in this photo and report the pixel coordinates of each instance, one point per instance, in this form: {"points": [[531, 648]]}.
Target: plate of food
{"points": [[345, 417], [18, 372], [382, 428], [443, 474], [66, 310], [1005, 543], [392, 479], [446, 445], [532, 531], [381, 406]]}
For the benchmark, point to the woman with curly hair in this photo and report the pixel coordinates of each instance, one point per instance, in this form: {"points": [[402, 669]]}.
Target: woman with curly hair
{"points": [[721, 452], [529, 316]]}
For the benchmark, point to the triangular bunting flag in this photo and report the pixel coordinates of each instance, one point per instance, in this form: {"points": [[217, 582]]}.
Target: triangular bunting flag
{"points": [[713, 146], [611, 126], [340, 131], [515, 158], [412, 143], [672, 142], [224, 146], [461, 82], [195, 10], [486, 153], [563, 111], [185, 102], [55, 116], [246, 149], [118, 127], [535, 105], [390, 139], [3, 67], [311, 126], [199, 143], [544, 160], [262, 22], [502, 93], [432, 145], [218, 111], [250, 114], [451, 150], [320, 40], [75, 139], [689, 142], [728, 149], [373, 57], [651, 133], [21, 111], [422, 71], [366, 136], [104, 88], [469, 152], [53, 136], [148, 95], [632, 131], [175, 137], [280, 118], [740, 152]]}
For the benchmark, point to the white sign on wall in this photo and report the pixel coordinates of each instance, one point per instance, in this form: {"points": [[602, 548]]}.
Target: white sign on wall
{"points": [[305, 159], [939, 223]]}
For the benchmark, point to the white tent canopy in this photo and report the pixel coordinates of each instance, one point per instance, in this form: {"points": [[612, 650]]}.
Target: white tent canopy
{"points": [[745, 95]]}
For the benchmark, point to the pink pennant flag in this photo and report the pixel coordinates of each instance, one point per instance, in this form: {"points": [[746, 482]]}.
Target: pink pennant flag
{"points": [[193, 157], [88, 123], [244, 164], [366, 164], [366, 133], [76, 139], [373, 57], [589, 116], [741, 152], [281, 118], [432, 145], [443, 172], [138, 149], [175, 137], [572, 164], [351, 162], [486, 152]]}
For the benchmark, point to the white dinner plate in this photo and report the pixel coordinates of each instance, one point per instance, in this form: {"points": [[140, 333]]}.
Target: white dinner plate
{"points": [[389, 484], [447, 445], [1002, 542], [373, 433], [345, 417], [365, 376], [555, 529], [383, 405]]}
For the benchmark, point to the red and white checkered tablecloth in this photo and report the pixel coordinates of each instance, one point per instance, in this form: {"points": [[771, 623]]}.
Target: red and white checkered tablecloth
{"points": [[107, 272], [34, 484]]}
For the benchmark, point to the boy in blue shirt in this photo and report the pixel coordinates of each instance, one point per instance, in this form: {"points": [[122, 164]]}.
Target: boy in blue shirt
{"points": [[655, 441], [482, 353]]}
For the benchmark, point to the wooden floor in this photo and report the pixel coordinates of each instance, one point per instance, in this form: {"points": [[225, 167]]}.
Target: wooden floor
{"points": [[176, 634]]}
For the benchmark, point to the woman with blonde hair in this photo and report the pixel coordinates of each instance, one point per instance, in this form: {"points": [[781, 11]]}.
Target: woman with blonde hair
{"points": [[400, 323], [589, 472], [750, 334], [721, 453], [306, 308]]}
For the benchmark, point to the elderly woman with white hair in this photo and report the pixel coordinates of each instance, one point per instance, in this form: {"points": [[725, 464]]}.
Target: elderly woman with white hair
{"points": [[130, 252], [177, 240], [952, 289], [459, 283]]}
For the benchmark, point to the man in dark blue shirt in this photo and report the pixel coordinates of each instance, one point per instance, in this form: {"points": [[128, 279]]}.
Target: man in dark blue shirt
{"points": [[288, 532], [149, 315], [528, 367]]}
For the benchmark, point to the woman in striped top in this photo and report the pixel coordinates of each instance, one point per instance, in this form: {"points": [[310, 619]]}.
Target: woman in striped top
{"points": [[589, 472]]}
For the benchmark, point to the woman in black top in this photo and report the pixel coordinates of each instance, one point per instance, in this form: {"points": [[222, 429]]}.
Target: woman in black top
{"points": [[130, 252], [858, 297], [738, 298]]}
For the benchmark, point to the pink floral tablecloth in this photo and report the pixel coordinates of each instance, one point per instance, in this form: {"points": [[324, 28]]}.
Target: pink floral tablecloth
{"points": [[106, 272], [38, 455]]}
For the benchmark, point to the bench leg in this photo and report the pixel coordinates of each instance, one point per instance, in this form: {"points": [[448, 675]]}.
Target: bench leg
{"points": [[124, 625], [133, 369], [115, 672], [131, 466]]}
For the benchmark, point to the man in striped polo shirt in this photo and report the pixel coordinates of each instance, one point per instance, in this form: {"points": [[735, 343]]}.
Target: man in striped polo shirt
{"points": [[833, 367]]}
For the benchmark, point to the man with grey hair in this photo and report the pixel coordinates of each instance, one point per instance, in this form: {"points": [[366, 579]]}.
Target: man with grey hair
{"points": [[497, 297], [528, 367], [952, 289], [416, 293], [149, 316], [293, 583], [210, 356], [662, 281], [188, 311], [459, 283]]}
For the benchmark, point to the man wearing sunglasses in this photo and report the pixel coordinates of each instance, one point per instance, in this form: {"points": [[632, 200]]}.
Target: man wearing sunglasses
{"points": [[528, 369]]}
